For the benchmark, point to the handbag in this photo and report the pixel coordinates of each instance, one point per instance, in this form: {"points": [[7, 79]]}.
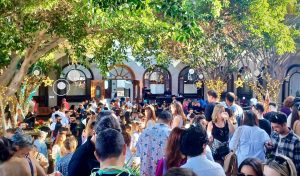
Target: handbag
{"points": [[230, 161]]}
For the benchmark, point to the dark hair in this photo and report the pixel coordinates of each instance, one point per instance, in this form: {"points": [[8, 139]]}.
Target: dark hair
{"points": [[109, 143], [72, 107], [104, 113], [127, 138], [5, 149], [279, 118], [56, 108], [272, 104], [295, 113], [230, 97], [176, 171], [259, 107], [212, 93], [11, 130], [250, 118], [107, 122], [229, 111], [254, 163], [165, 116], [197, 119], [173, 154], [192, 141]]}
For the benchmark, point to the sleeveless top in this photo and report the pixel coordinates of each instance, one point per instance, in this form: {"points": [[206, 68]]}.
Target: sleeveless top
{"points": [[221, 134], [180, 125]]}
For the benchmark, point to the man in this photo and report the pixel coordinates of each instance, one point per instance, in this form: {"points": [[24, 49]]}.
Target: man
{"points": [[110, 152], [168, 92], [264, 124], [272, 107], [283, 140], [193, 143], [152, 142], [81, 111], [212, 99], [83, 160], [57, 112], [236, 109]]}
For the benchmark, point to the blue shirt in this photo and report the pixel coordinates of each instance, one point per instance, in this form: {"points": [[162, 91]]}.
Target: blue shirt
{"points": [[202, 166], [42, 147], [63, 163], [250, 144]]}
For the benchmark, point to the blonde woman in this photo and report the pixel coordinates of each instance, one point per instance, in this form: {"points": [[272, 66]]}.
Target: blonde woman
{"points": [[178, 115], [218, 131], [58, 149], [150, 116]]}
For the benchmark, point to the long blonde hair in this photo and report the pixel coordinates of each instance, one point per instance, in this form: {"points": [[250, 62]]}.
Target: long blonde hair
{"points": [[217, 110], [178, 110]]}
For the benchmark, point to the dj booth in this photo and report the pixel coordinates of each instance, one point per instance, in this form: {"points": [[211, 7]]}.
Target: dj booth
{"points": [[161, 99]]}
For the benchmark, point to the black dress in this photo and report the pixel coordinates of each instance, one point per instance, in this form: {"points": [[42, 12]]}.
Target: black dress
{"points": [[220, 146]]}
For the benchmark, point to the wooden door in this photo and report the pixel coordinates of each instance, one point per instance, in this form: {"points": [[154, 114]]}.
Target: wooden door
{"points": [[97, 89]]}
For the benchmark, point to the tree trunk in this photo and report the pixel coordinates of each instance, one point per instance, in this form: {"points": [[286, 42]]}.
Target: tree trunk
{"points": [[9, 72], [2, 118]]}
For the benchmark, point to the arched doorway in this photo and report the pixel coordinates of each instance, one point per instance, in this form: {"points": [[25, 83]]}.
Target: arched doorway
{"points": [[186, 83], [244, 93], [120, 82], [157, 80], [78, 90], [291, 85]]}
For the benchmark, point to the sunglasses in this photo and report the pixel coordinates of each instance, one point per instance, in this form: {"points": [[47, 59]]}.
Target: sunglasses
{"points": [[242, 174]]}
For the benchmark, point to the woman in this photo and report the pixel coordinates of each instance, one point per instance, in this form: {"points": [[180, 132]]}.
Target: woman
{"points": [[264, 124], [251, 166], [248, 140], [173, 156], [280, 166], [218, 131], [295, 122], [178, 115], [150, 116], [58, 149], [15, 159], [287, 105]]}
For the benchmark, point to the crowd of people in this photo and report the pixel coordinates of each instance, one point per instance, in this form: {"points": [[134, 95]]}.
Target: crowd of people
{"points": [[192, 138]]}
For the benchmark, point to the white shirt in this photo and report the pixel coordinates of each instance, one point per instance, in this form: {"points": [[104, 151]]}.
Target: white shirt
{"points": [[202, 166], [61, 114], [250, 144], [289, 121]]}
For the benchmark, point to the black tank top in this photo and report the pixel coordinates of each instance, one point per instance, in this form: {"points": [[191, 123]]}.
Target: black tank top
{"points": [[221, 134]]}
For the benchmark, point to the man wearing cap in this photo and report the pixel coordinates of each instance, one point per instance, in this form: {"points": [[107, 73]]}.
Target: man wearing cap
{"points": [[283, 140]]}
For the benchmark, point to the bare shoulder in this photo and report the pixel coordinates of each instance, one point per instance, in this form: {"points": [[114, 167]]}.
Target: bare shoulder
{"points": [[15, 166]]}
